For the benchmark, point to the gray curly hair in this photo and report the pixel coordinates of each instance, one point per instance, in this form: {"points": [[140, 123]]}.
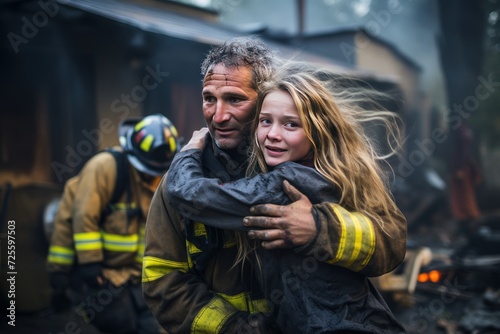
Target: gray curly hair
{"points": [[242, 51]]}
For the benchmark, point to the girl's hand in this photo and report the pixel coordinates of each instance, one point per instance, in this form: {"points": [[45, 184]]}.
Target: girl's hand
{"points": [[198, 140]]}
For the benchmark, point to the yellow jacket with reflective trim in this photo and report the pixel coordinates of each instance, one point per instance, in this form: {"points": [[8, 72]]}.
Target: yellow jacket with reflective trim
{"points": [[118, 241]]}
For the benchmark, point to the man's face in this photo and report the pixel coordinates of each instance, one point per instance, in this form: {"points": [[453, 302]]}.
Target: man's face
{"points": [[229, 104]]}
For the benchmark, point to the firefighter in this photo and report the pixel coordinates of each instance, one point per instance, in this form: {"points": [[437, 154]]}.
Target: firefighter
{"points": [[191, 281], [99, 229]]}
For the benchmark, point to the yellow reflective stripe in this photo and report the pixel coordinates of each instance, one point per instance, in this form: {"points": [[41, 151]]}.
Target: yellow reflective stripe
{"points": [[142, 124], [172, 143], [61, 255], [243, 302], [212, 316], [123, 206], [87, 236], [259, 306], [85, 241], [174, 131], [229, 244], [239, 301], [155, 267], [367, 252], [192, 249], [190, 260], [357, 239], [199, 229], [61, 250], [60, 260], [147, 142], [120, 243]]}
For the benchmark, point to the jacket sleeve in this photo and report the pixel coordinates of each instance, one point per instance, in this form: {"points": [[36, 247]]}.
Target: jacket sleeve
{"points": [[97, 180], [180, 299], [347, 239], [353, 241], [224, 205], [61, 255]]}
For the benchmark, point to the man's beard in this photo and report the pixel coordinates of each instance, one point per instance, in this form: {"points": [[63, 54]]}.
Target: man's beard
{"points": [[238, 151]]}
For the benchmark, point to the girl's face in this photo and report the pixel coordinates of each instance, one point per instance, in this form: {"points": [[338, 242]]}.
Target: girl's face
{"points": [[280, 133]]}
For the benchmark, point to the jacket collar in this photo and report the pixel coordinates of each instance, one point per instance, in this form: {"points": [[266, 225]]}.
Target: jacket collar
{"points": [[235, 163]]}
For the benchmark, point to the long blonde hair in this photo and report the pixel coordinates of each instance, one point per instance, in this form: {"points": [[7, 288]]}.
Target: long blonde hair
{"points": [[335, 113]]}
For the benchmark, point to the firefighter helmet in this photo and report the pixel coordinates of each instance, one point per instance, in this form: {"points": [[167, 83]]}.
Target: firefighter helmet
{"points": [[150, 143]]}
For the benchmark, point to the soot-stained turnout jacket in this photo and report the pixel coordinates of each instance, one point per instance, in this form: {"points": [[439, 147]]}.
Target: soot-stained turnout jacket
{"points": [[311, 293], [187, 301]]}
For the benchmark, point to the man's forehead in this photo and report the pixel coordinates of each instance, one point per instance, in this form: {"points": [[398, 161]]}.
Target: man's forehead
{"points": [[224, 79], [228, 76]]}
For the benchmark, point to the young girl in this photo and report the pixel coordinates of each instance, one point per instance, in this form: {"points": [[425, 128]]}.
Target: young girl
{"points": [[316, 141]]}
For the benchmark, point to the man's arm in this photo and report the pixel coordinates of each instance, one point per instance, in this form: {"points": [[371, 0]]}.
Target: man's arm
{"points": [[61, 255], [179, 298], [95, 187], [347, 239]]}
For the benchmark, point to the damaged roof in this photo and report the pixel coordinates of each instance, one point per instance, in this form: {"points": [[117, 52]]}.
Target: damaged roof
{"points": [[152, 17]]}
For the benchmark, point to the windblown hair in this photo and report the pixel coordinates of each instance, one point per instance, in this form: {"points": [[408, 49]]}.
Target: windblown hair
{"points": [[242, 51], [335, 112]]}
